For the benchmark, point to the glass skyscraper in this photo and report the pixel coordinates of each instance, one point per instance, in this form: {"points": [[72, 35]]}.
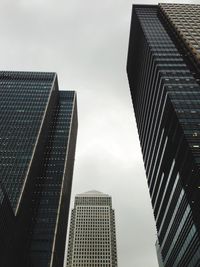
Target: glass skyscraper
{"points": [[92, 237], [163, 72], [37, 145]]}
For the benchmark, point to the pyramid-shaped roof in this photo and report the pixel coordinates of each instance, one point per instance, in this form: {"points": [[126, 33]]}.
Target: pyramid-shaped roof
{"points": [[94, 193]]}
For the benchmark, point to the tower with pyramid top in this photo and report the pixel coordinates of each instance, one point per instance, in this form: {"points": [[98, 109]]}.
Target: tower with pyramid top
{"points": [[92, 238]]}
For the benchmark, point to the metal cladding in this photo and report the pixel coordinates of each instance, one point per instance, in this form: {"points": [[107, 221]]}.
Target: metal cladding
{"points": [[92, 238]]}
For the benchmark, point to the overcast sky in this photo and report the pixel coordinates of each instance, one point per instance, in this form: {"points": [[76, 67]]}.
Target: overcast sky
{"points": [[86, 42]]}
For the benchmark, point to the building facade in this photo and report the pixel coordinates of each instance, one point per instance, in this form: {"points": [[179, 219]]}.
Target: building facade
{"points": [[163, 73], [7, 224], [92, 237], [159, 256], [37, 145]]}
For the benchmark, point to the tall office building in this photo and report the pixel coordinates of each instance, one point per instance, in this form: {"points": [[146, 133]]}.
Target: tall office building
{"points": [[92, 238], [6, 226], [163, 72], [37, 145]]}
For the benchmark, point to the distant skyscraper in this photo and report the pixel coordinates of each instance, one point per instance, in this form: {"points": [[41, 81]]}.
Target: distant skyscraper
{"points": [[92, 238], [37, 145], [163, 72], [159, 256]]}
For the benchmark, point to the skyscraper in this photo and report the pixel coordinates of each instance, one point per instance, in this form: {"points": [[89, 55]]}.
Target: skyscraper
{"points": [[37, 145], [92, 238], [6, 226], [159, 256], [163, 72]]}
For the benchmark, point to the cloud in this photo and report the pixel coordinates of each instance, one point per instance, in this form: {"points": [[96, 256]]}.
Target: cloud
{"points": [[86, 42]]}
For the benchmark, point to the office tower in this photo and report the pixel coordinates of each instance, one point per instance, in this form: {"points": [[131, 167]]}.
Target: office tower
{"points": [[6, 226], [92, 239], [163, 73], [37, 145]]}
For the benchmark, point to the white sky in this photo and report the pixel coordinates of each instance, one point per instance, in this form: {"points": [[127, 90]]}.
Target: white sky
{"points": [[86, 43]]}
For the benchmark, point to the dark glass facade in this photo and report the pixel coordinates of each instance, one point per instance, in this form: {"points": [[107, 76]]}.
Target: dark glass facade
{"points": [[166, 99], [38, 137], [7, 224], [23, 102]]}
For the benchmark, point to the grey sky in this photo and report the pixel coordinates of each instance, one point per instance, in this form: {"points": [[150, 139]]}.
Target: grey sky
{"points": [[86, 43]]}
